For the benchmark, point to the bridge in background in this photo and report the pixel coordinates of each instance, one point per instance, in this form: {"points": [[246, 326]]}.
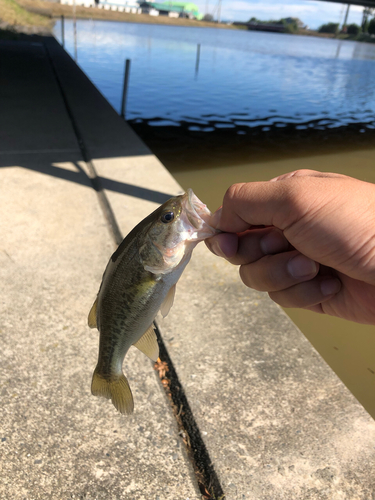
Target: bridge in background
{"points": [[361, 3]]}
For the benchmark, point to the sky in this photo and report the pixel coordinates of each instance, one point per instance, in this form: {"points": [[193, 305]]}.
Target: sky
{"points": [[312, 13]]}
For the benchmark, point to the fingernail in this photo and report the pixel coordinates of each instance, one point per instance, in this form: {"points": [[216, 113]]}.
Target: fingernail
{"points": [[215, 219], [214, 248], [301, 266], [273, 242], [330, 286]]}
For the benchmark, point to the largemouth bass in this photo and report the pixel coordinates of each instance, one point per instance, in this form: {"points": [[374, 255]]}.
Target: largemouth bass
{"points": [[139, 280]]}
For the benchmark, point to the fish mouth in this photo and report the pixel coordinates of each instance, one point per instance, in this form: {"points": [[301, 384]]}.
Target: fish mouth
{"points": [[198, 215]]}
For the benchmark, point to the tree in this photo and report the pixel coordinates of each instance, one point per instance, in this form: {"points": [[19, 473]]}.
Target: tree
{"points": [[367, 11], [208, 17], [329, 28], [290, 25], [371, 26], [353, 29]]}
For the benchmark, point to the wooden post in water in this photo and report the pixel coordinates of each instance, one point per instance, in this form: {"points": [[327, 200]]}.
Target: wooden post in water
{"points": [[125, 88], [198, 57], [62, 31]]}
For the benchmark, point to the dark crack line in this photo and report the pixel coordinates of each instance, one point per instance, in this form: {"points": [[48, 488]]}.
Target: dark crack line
{"points": [[207, 478]]}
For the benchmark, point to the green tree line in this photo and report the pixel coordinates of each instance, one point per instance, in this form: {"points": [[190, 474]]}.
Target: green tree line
{"points": [[350, 29], [289, 24]]}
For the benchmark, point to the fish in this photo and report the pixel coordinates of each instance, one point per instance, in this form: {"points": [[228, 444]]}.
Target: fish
{"points": [[139, 280]]}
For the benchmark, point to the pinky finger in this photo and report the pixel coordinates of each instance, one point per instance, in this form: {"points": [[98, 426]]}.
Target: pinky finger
{"points": [[308, 294]]}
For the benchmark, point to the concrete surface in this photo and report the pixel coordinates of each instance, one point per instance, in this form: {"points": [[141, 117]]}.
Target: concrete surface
{"points": [[276, 421]]}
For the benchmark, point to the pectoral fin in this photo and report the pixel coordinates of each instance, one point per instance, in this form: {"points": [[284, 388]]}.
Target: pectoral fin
{"points": [[168, 302], [148, 344], [92, 315]]}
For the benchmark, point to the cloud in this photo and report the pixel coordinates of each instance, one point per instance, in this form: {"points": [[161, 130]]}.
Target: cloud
{"points": [[256, 7], [313, 13]]}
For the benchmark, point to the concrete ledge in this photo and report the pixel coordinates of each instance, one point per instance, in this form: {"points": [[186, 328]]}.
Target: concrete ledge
{"points": [[57, 440]]}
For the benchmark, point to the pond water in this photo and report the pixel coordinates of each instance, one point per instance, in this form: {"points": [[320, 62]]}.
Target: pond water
{"points": [[253, 106], [242, 79]]}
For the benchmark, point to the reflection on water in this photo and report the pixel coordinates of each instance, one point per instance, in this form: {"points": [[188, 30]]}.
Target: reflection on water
{"points": [[245, 79], [254, 106]]}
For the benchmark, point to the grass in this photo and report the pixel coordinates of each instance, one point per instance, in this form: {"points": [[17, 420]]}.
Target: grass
{"points": [[13, 14], [39, 15], [55, 10], [361, 37]]}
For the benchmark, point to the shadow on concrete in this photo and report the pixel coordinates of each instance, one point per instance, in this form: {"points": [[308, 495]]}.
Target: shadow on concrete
{"points": [[52, 113], [37, 164]]}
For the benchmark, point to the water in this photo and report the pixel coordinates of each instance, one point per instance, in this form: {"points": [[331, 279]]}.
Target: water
{"points": [[244, 79], [258, 105]]}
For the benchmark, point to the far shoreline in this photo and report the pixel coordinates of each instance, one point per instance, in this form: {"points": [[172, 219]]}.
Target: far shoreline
{"points": [[54, 11]]}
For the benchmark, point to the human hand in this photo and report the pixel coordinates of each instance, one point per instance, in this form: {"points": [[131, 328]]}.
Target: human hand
{"points": [[317, 249]]}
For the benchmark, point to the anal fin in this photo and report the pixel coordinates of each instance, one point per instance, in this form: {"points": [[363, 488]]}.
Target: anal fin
{"points": [[148, 344]]}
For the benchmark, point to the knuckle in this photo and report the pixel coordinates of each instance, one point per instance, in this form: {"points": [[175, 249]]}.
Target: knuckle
{"points": [[273, 276], [265, 275], [256, 277], [247, 277], [276, 297], [233, 192], [302, 172], [284, 298], [296, 197], [302, 295]]}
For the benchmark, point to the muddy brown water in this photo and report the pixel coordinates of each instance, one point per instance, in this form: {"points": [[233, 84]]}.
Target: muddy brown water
{"points": [[349, 348]]}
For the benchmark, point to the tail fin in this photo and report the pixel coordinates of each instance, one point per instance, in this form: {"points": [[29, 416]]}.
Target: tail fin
{"points": [[116, 388]]}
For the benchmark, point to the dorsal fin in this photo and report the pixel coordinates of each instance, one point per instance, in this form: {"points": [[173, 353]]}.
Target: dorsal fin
{"points": [[168, 302], [92, 315], [148, 344]]}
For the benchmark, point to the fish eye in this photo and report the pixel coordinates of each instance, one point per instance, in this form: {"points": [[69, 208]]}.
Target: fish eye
{"points": [[167, 217]]}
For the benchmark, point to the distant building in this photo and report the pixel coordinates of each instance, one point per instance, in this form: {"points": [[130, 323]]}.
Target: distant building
{"points": [[83, 3], [118, 5], [171, 9]]}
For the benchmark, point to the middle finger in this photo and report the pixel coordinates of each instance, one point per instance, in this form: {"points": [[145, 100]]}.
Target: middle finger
{"points": [[249, 246]]}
